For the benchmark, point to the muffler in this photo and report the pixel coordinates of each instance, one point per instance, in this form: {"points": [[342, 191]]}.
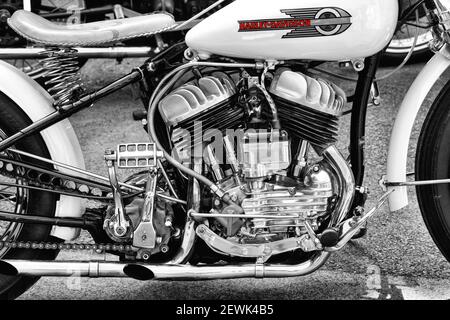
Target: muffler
{"points": [[96, 269], [90, 269]]}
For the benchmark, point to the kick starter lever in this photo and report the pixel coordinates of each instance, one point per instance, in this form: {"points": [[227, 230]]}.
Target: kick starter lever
{"points": [[120, 224]]}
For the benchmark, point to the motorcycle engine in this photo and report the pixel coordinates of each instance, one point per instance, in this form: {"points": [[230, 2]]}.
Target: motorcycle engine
{"points": [[267, 172]]}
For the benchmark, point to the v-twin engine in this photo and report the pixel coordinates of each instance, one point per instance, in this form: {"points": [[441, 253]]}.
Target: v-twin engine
{"points": [[291, 182]]}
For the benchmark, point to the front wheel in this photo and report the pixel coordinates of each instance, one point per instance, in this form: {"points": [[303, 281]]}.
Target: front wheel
{"points": [[16, 198], [403, 40], [399, 48], [433, 163]]}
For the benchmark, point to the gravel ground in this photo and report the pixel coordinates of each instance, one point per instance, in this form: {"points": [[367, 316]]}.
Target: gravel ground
{"points": [[397, 259]]}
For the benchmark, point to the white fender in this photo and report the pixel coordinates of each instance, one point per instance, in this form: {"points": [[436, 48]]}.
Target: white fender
{"points": [[404, 123], [61, 140]]}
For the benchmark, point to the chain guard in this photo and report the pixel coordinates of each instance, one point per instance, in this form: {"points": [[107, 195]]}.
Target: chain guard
{"points": [[51, 180]]}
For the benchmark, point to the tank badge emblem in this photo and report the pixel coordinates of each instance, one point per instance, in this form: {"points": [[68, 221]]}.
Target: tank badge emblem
{"points": [[313, 22]]}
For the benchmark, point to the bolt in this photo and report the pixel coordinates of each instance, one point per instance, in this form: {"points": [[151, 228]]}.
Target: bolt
{"points": [[120, 231], [4, 15], [168, 223], [353, 223], [144, 237], [164, 249], [316, 169], [151, 67], [145, 256], [217, 202], [234, 198], [177, 233], [201, 230], [344, 64], [359, 211], [292, 191]]}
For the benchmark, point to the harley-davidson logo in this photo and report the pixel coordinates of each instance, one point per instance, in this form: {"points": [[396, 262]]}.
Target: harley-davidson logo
{"points": [[312, 22]]}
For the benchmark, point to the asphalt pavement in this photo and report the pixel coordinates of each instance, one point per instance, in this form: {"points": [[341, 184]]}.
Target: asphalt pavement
{"points": [[396, 260]]}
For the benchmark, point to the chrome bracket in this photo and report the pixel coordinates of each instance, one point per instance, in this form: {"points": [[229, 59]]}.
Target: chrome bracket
{"points": [[375, 94], [388, 184], [118, 12], [350, 227], [262, 252], [145, 234], [119, 224], [312, 243]]}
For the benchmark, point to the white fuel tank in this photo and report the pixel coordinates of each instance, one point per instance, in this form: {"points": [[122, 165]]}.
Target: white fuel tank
{"points": [[326, 30]]}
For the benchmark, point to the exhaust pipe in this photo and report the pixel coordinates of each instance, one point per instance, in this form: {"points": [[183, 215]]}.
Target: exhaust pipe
{"points": [[90, 269], [96, 269]]}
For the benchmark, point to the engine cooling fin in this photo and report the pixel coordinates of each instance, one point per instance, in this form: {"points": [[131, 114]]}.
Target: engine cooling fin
{"points": [[318, 128], [308, 107], [224, 116], [201, 109]]}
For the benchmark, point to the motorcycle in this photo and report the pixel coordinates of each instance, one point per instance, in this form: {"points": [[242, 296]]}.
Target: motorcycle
{"points": [[241, 176]]}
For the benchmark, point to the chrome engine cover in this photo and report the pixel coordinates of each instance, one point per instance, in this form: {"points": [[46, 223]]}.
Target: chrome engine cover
{"points": [[316, 94], [286, 203], [192, 99], [264, 153], [280, 211]]}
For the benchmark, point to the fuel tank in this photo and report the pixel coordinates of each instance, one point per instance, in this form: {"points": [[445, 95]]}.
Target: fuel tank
{"points": [[326, 30]]}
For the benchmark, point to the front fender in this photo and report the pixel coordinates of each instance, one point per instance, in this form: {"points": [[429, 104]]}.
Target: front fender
{"points": [[404, 123], [60, 139]]}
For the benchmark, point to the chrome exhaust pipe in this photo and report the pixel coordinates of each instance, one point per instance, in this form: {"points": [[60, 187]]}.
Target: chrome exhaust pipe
{"points": [[346, 182], [187, 272], [96, 269], [90, 269], [94, 53]]}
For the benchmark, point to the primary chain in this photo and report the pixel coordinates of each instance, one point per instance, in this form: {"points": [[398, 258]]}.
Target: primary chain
{"points": [[99, 248]]}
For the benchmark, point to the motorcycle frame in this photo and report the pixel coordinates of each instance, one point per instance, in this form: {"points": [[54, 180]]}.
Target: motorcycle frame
{"points": [[360, 103], [358, 115]]}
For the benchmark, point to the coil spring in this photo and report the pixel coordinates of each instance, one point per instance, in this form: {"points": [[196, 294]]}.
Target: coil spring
{"points": [[60, 71]]}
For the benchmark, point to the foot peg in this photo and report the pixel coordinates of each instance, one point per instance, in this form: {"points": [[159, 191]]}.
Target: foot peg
{"points": [[137, 155]]}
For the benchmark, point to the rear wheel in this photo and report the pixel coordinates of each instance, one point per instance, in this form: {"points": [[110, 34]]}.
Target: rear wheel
{"points": [[432, 163], [21, 201]]}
